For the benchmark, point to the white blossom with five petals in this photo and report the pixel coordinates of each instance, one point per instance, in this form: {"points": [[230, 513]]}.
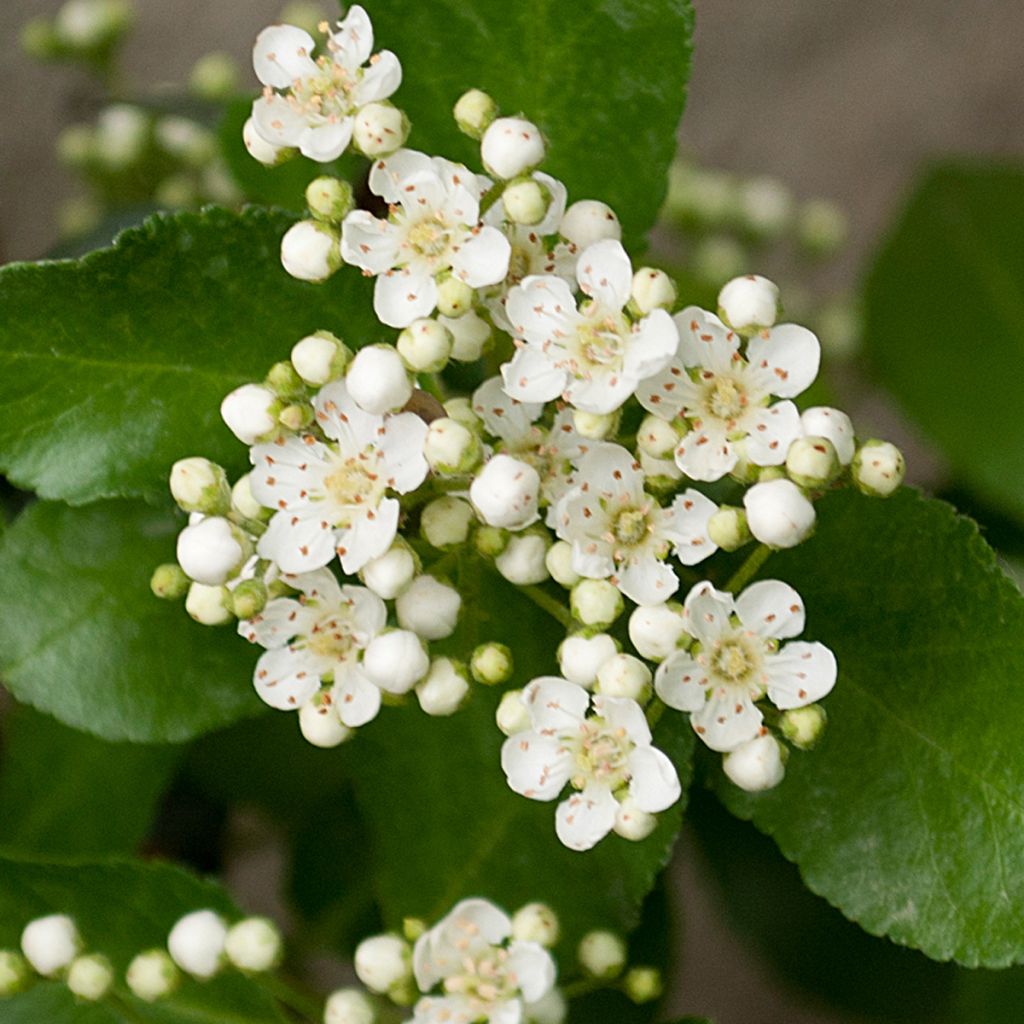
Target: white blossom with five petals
{"points": [[724, 394], [738, 661], [432, 227], [604, 755], [319, 98], [333, 497], [593, 356]]}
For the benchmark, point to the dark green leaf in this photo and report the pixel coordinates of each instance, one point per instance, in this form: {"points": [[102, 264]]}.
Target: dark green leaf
{"points": [[82, 637], [605, 82], [945, 322], [66, 792], [120, 910], [908, 816], [113, 366]]}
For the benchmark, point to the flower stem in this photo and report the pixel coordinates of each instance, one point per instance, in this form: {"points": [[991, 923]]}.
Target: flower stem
{"points": [[542, 600], [654, 712], [749, 569], [584, 986]]}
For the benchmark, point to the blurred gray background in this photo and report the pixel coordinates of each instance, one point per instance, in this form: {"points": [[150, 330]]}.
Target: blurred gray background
{"points": [[843, 99]]}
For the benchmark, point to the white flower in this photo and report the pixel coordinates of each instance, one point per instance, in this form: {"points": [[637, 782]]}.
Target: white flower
{"points": [[316, 637], [739, 661], [212, 550], [196, 943], [505, 492], [315, 111], [484, 973], [248, 412], [523, 561], [723, 394], [606, 753], [593, 356], [435, 206], [50, 943], [258, 147], [620, 531], [332, 497], [511, 146]]}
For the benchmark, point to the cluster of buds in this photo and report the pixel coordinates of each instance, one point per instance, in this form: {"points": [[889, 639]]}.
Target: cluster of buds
{"points": [[590, 471], [200, 944]]}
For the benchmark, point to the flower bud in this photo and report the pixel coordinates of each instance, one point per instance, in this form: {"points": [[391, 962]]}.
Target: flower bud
{"points": [[264, 152], [185, 140], [196, 943], [490, 541], [249, 598], [445, 522], [380, 128], [152, 975], [454, 297], [15, 973], [580, 657], [309, 250], [214, 77], [319, 358], [242, 500], [471, 336], [377, 380], [559, 564], [595, 426], [505, 493], [756, 765], [208, 605], [254, 945], [121, 136], [249, 412], [748, 304], [450, 448], [551, 1008], [512, 715], [812, 462], [511, 146], [878, 468], [821, 421], [349, 1006], [602, 954], [460, 409], [588, 221], [383, 962], [596, 603], [319, 722], [652, 289], [91, 25], [803, 726], [199, 485], [425, 346], [212, 550], [622, 675], [822, 228], [491, 664], [169, 581], [329, 199], [474, 112], [50, 944], [632, 823], [526, 201], [389, 574], [717, 257], [778, 514], [90, 977], [429, 608], [766, 207], [536, 922], [728, 528], [38, 39], [643, 984], [655, 630], [523, 562], [396, 660], [444, 689], [657, 437]]}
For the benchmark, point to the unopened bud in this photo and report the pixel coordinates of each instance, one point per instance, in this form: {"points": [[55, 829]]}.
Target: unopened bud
{"points": [[491, 664], [581, 657], [778, 513], [803, 726], [249, 598], [474, 112], [536, 922], [757, 764], [526, 201], [812, 462], [454, 297], [212, 550], [380, 128], [596, 603], [505, 492], [460, 409], [383, 962], [208, 605], [523, 562], [559, 563], [319, 358], [250, 412], [471, 336], [254, 945], [444, 688], [389, 574], [425, 346], [878, 468], [429, 608], [655, 630], [643, 984], [309, 251], [152, 975], [511, 146], [632, 823], [91, 25], [657, 437], [319, 722], [766, 206], [90, 977], [728, 528], [512, 715], [602, 954], [588, 221], [749, 304], [377, 380], [595, 426], [50, 943], [490, 541], [652, 289], [329, 199], [349, 1006], [622, 675], [214, 77], [169, 581], [822, 421], [451, 448], [445, 522], [196, 943], [284, 382], [396, 660], [822, 227], [199, 485], [242, 500], [15, 973]]}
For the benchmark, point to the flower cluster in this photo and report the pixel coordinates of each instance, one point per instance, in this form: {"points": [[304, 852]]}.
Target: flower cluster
{"points": [[612, 439]]}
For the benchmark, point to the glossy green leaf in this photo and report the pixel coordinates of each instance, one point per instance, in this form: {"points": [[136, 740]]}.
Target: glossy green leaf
{"points": [[605, 82], [65, 792], [908, 816], [121, 909], [83, 638], [114, 365], [945, 322]]}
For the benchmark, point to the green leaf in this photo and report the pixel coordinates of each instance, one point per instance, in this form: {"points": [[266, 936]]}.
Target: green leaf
{"points": [[66, 792], [121, 909], [908, 816], [945, 322], [598, 79], [83, 638], [114, 365], [444, 823]]}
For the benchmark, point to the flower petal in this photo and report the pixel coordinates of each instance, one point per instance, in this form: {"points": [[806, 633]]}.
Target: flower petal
{"points": [[681, 683], [535, 766], [555, 704], [286, 678], [369, 243], [389, 176], [624, 713], [652, 345], [482, 257], [277, 121], [343, 421], [645, 580], [298, 541], [790, 354], [586, 818], [541, 308], [705, 453], [605, 274], [704, 341], [706, 612], [667, 393], [281, 54], [401, 296], [654, 783], [352, 41], [327, 141], [530, 377], [771, 608], [685, 524], [380, 80], [355, 697], [505, 417], [402, 447], [727, 720], [533, 968], [280, 621], [602, 393], [369, 536], [772, 431], [800, 674]]}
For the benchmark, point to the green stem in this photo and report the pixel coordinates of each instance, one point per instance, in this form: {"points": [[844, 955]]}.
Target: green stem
{"points": [[491, 196], [305, 1005], [554, 608], [749, 569], [654, 712], [584, 986]]}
